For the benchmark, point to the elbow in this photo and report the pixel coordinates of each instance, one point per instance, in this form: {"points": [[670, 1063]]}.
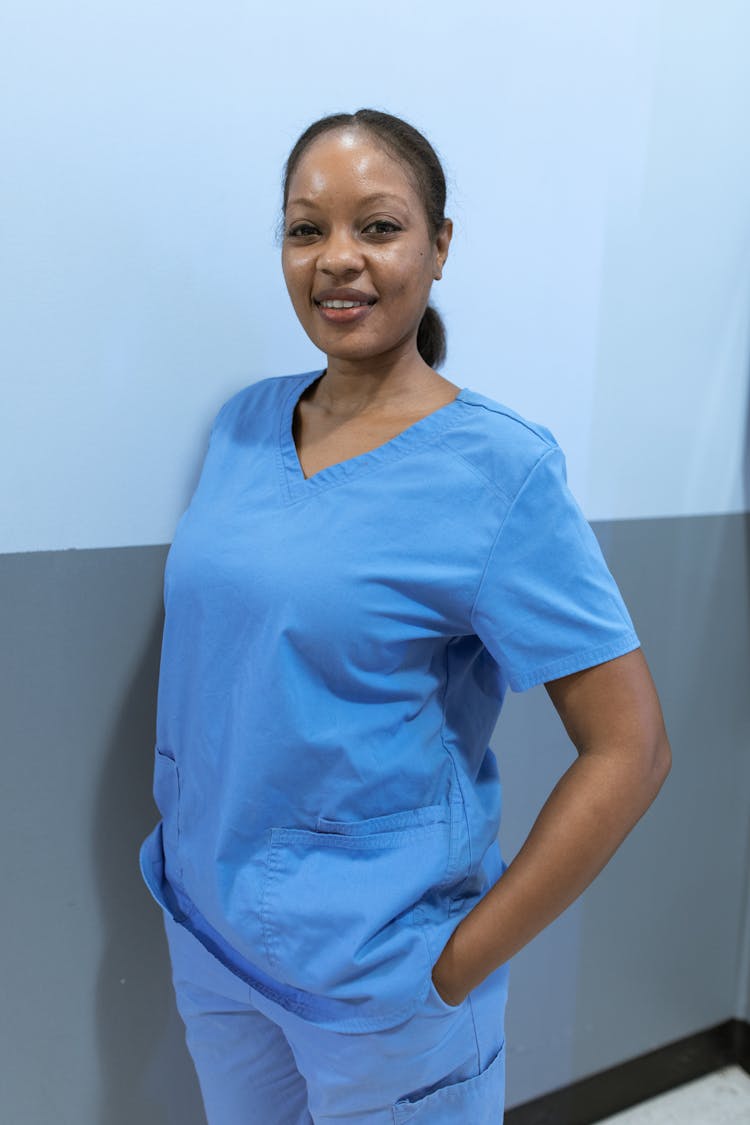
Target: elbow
{"points": [[661, 760]]}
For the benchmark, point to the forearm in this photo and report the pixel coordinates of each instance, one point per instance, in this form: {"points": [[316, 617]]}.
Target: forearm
{"points": [[588, 814]]}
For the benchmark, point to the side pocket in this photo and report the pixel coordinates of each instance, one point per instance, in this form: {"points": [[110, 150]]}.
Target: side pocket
{"points": [[167, 797], [434, 997], [480, 1100]]}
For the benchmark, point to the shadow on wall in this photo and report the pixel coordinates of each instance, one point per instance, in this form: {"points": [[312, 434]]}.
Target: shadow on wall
{"points": [[146, 1075]]}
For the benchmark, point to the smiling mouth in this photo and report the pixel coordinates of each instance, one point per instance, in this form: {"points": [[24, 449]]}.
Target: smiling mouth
{"points": [[335, 304], [336, 310]]}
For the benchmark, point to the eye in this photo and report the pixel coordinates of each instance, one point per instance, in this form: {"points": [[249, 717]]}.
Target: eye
{"points": [[383, 226], [302, 230]]}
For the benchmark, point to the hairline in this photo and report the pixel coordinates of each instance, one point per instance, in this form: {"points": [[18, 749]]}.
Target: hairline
{"points": [[388, 147]]}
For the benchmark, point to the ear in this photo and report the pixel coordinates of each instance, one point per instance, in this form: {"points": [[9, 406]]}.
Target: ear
{"points": [[442, 243]]}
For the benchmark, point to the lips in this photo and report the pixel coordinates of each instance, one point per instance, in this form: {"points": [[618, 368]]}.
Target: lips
{"points": [[346, 314], [355, 295]]}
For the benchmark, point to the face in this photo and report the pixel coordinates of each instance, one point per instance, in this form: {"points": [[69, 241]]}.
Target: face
{"points": [[356, 232]]}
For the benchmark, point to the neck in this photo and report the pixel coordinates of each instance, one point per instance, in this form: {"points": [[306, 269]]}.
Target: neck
{"points": [[351, 386]]}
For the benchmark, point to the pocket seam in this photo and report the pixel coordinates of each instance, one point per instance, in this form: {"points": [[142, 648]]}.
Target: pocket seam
{"points": [[268, 879], [431, 959], [343, 840], [405, 1110], [444, 1003], [420, 818]]}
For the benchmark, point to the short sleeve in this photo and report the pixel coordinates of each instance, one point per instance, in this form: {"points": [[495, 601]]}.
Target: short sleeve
{"points": [[547, 604]]}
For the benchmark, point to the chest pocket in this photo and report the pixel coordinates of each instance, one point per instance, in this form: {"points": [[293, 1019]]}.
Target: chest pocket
{"points": [[338, 907]]}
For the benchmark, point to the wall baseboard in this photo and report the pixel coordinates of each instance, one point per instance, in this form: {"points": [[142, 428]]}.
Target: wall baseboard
{"points": [[621, 1087]]}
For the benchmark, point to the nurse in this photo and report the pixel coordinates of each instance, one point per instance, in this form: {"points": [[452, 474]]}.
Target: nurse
{"points": [[373, 555]]}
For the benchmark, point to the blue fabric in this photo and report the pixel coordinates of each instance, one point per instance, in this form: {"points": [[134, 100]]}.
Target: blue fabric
{"points": [[258, 1062], [335, 656]]}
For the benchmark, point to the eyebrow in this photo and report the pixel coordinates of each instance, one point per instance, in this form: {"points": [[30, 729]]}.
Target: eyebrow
{"points": [[372, 198]]}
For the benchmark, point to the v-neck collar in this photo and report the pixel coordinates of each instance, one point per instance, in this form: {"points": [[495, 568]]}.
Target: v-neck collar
{"points": [[294, 483]]}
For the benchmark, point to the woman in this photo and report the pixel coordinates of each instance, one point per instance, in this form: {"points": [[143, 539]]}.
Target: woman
{"points": [[372, 556]]}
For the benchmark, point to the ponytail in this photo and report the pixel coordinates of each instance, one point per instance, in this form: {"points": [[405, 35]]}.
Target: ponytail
{"points": [[431, 343]]}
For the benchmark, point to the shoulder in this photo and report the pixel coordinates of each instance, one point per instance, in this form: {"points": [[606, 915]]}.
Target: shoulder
{"points": [[497, 443], [257, 399]]}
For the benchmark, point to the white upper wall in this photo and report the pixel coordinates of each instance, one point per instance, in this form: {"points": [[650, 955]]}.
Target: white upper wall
{"points": [[598, 158]]}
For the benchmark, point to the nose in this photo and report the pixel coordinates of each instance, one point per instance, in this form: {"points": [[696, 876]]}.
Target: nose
{"points": [[340, 255]]}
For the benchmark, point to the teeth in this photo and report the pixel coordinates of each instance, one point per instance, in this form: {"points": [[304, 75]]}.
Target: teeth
{"points": [[342, 304]]}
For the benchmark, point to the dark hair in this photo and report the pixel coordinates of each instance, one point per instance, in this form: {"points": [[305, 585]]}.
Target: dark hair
{"points": [[407, 145]]}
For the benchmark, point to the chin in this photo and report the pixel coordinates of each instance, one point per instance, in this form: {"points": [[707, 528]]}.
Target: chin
{"points": [[371, 356], [342, 350], [353, 349]]}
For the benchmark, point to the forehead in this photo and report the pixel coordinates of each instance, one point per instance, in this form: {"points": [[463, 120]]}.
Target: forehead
{"points": [[346, 163]]}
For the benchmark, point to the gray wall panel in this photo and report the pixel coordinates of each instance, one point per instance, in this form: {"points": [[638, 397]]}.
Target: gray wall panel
{"points": [[90, 1035], [651, 951]]}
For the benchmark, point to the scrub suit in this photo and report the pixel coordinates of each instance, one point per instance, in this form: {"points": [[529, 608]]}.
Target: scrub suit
{"points": [[335, 656]]}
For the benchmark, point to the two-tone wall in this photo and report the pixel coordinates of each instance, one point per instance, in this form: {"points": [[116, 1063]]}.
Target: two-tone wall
{"points": [[599, 282]]}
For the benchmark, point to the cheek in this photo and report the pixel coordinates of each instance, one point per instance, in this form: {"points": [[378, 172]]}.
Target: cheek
{"points": [[409, 276], [296, 273]]}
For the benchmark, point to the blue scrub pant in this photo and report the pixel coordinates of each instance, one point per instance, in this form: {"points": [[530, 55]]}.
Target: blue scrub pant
{"points": [[259, 1064]]}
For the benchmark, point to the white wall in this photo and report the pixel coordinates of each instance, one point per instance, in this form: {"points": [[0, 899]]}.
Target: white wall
{"points": [[599, 163]]}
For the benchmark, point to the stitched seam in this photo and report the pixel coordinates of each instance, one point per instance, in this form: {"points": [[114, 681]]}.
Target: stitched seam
{"points": [[263, 901], [536, 675], [512, 417], [379, 459], [456, 779], [488, 481], [476, 1034], [503, 522]]}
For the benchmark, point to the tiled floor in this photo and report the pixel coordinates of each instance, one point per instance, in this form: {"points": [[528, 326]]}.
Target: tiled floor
{"points": [[721, 1098]]}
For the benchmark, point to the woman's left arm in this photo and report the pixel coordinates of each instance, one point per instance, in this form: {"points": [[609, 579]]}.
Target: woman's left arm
{"points": [[613, 717]]}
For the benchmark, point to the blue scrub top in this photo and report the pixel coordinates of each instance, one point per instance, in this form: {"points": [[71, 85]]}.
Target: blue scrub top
{"points": [[334, 660]]}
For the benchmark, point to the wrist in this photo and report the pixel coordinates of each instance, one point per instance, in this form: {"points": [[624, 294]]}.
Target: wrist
{"points": [[448, 975]]}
